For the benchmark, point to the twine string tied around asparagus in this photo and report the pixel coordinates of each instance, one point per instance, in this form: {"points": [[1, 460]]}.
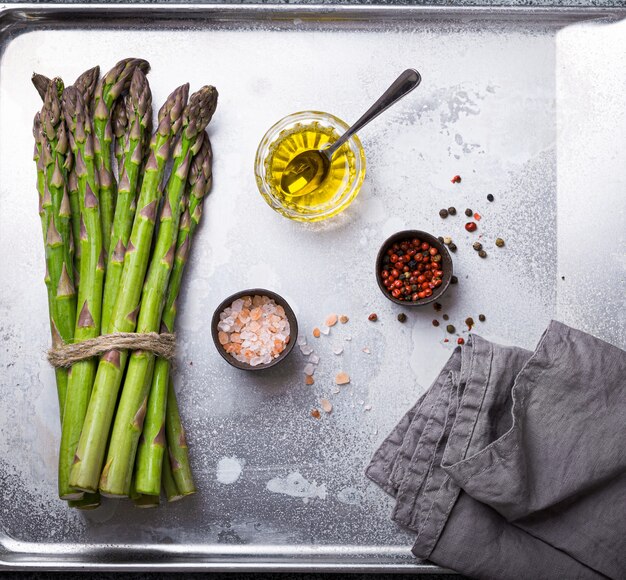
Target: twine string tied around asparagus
{"points": [[162, 345]]}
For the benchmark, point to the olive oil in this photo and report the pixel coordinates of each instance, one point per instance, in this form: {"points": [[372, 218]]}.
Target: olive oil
{"points": [[339, 176]]}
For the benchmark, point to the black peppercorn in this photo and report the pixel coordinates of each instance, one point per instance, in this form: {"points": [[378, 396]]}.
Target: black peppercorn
{"points": [[499, 242], [452, 210], [452, 247], [446, 317], [440, 238], [454, 280], [437, 306], [482, 317], [443, 213], [435, 323], [402, 317], [469, 212], [490, 197], [477, 246], [482, 254]]}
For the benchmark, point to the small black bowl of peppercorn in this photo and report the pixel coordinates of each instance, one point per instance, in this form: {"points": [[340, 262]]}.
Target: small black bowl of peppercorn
{"points": [[413, 268]]}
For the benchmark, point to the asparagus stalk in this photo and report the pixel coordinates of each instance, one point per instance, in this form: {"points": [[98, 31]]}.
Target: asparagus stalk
{"points": [[139, 117], [92, 445], [85, 84], [60, 288], [91, 282], [120, 128], [109, 89], [150, 454], [169, 485], [118, 469], [177, 445]]}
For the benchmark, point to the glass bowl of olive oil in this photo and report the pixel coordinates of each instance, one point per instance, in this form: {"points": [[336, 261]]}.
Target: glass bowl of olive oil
{"points": [[306, 131]]}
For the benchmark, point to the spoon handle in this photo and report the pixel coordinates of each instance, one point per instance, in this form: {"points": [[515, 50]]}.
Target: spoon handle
{"points": [[402, 86]]}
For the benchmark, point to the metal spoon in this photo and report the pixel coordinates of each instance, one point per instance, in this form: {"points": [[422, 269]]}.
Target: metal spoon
{"points": [[307, 170]]}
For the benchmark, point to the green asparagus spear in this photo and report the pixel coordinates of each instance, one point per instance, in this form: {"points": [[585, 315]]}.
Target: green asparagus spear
{"points": [[89, 302], [119, 119], [150, 454], [85, 84], [139, 117], [169, 485], [177, 445], [60, 288], [118, 469], [92, 446], [110, 88]]}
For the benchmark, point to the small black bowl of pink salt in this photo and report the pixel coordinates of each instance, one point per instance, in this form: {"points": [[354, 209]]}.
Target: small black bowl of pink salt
{"points": [[254, 329], [413, 268]]}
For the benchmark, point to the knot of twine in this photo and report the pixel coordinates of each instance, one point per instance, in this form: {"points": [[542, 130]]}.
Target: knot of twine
{"points": [[163, 345]]}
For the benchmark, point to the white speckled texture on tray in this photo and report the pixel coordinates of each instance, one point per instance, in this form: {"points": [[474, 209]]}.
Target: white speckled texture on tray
{"points": [[273, 481]]}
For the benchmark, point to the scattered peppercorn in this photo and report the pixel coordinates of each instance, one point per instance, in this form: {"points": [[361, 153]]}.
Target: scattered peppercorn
{"points": [[435, 323], [437, 306], [315, 414], [446, 317], [470, 323], [440, 238], [470, 226], [482, 317], [373, 317], [477, 217], [452, 247], [477, 246], [454, 279], [468, 212], [447, 240], [443, 213], [482, 254], [450, 329], [402, 317], [460, 340], [499, 242], [456, 179], [490, 197], [452, 210]]}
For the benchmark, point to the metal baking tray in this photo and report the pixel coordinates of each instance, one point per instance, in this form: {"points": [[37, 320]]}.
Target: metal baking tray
{"points": [[486, 110]]}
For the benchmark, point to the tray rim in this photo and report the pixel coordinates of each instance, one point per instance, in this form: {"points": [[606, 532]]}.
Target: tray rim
{"points": [[21, 17]]}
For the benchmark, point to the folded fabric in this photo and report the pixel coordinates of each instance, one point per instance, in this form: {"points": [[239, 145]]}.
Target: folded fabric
{"points": [[513, 464]]}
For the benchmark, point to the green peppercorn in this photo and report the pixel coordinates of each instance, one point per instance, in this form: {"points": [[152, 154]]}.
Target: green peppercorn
{"points": [[402, 317], [443, 213], [452, 210], [452, 247], [454, 280], [450, 329], [469, 212], [436, 258], [482, 317], [499, 242], [477, 246], [482, 254]]}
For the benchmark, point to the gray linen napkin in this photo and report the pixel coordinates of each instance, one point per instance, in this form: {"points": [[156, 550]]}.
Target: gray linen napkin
{"points": [[513, 464]]}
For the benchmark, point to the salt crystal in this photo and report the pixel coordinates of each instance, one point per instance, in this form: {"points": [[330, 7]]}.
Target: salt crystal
{"points": [[326, 405], [366, 350], [331, 320], [306, 350], [336, 391], [367, 408], [301, 340], [255, 361], [314, 359], [237, 305], [224, 326], [348, 338], [361, 401], [338, 350], [309, 369], [325, 330], [342, 378]]}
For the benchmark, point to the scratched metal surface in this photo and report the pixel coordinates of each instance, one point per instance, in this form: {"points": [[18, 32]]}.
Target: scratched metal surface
{"points": [[278, 489]]}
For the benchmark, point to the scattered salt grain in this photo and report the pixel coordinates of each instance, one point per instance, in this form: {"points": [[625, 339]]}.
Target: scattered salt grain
{"points": [[306, 350], [366, 350], [301, 340], [325, 330], [348, 338], [309, 369], [309, 380], [336, 391], [342, 378], [331, 320], [314, 359], [367, 408], [326, 405], [338, 350]]}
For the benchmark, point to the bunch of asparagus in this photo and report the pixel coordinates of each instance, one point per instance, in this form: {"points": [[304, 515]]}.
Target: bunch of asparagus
{"points": [[110, 269]]}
